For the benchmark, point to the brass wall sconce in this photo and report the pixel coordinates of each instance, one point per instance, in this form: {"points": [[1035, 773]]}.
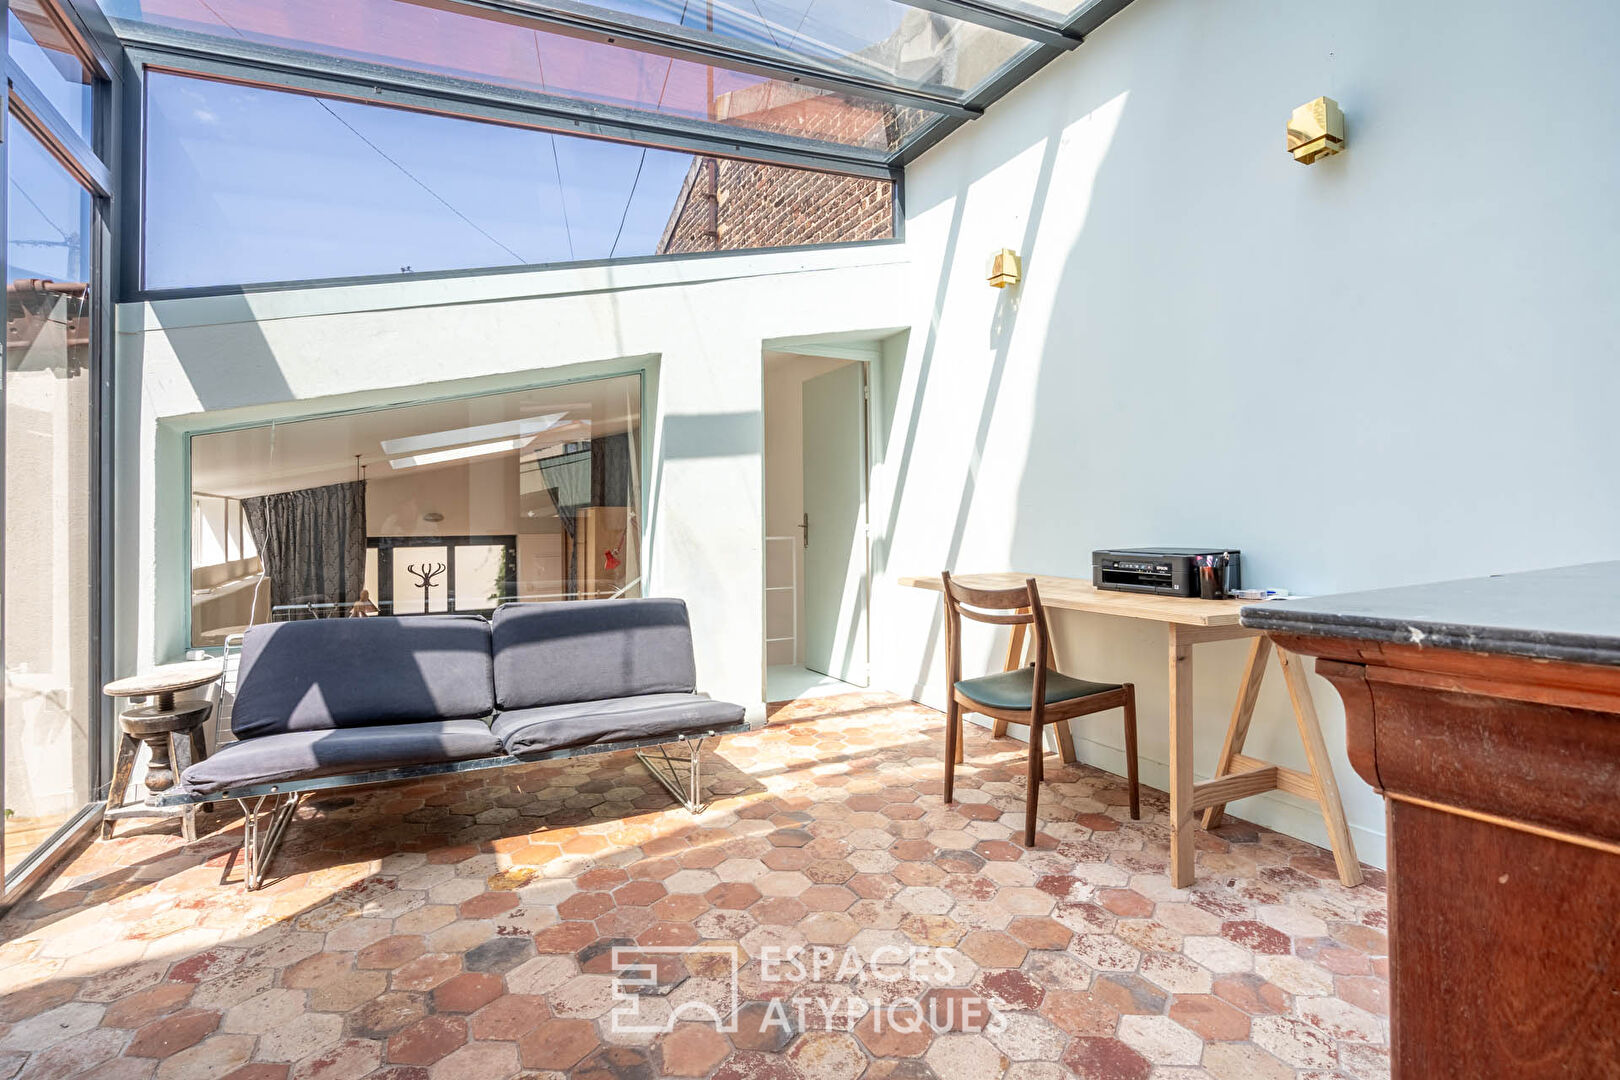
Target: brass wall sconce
{"points": [[1316, 130], [1005, 268]]}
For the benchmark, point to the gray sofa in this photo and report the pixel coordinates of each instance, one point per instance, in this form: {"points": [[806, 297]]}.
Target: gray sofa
{"points": [[329, 703]]}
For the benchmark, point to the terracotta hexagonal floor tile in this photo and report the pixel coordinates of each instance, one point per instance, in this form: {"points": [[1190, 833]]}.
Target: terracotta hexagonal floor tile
{"points": [[171, 1034], [733, 895], [557, 1044], [1257, 937], [427, 1040], [477, 1061], [1210, 1018], [467, 992], [639, 893], [386, 1014], [956, 1009], [509, 1017], [753, 1065], [139, 1008], [827, 1055], [692, 1050], [993, 949], [1101, 1058], [764, 1026], [387, 954], [456, 902], [1040, 932], [1080, 1012], [897, 1031]]}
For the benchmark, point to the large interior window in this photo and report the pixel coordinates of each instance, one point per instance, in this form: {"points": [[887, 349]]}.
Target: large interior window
{"points": [[455, 505], [49, 699], [247, 185]]}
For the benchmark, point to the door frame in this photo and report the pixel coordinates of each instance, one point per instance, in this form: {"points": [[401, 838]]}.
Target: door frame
{"points": [[385, 546], [865, 366]]}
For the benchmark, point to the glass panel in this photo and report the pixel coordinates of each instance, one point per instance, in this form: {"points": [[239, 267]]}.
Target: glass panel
{"points": [[480, 582], [881, 39], [444, 42], [251, 185], [529, 494], [44, 53], [419, 584], [48, 420], [209, 544]]}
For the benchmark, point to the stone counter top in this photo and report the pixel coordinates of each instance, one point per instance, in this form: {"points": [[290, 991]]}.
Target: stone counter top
{"points": [[1571, 614]]}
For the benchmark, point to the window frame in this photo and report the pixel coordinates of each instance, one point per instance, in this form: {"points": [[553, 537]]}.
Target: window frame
{"points": [[385, 546], [93, 164], [644, 369], [133, 233]]}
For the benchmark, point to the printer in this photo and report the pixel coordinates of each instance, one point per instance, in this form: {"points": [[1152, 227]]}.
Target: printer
{"points": [[1162, 571]]}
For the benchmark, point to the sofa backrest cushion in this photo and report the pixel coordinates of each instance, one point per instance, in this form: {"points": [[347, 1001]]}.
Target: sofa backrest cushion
{"points": [[322, 674], [590, 650]]}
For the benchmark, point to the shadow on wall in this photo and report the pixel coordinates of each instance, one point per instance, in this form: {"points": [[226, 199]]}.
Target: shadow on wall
{"points": [[228, 363], [1003, 330]]}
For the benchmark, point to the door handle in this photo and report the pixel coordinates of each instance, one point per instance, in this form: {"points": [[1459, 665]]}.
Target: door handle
{"points": [[806, 527]]}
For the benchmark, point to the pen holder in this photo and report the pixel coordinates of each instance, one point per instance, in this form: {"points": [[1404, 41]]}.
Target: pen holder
{"points": [[1212, 571]]}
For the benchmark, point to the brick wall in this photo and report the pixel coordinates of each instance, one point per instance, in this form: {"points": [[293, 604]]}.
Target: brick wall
{"points": [[728, 205]]}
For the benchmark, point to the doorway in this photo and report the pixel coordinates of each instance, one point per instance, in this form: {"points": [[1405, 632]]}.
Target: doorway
{"points": [[817, 587]]}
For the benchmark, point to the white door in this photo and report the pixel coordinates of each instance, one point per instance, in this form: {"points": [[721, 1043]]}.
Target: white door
{"points": [[835, 557]]}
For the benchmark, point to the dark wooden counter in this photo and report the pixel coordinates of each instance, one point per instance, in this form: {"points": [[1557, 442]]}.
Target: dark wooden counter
{"points": [[1487, 712]]}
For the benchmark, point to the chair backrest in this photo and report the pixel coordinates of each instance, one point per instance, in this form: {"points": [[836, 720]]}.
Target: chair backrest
{"points": [[569, 651], [321, 674], [1019, 605]]}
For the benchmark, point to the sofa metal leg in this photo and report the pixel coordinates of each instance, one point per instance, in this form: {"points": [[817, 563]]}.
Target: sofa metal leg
{"points": [[667, 771], [262, 830]]}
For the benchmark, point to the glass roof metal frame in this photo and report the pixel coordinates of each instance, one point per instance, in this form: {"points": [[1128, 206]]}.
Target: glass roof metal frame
{"points": [[258, 66], [158, 48], [1048, 36], [182, 52], [588, 21]]}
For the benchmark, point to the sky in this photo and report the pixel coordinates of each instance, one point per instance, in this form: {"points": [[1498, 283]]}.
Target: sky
{"points": [[251, 185]]}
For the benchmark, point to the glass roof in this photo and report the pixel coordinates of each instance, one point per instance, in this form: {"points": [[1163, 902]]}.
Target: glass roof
{"points": [[885, 39], [421, 38], [856, 83]]}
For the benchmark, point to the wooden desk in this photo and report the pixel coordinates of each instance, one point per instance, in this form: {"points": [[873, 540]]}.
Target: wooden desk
{"points": [[1487, 713], [1190, 622]]}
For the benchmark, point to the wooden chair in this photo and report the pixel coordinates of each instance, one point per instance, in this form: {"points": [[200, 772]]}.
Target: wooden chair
{"points": [[1034, 696]]}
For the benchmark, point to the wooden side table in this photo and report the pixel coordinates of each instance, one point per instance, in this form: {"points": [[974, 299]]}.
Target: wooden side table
{"points": [[160, 725]]}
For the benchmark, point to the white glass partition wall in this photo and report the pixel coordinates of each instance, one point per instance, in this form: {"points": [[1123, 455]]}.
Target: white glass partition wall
{"points": [[447, 506], [53, 735]]}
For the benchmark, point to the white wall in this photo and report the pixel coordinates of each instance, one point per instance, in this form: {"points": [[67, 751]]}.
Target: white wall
{"points": [[1396, 365], [697, 327]]}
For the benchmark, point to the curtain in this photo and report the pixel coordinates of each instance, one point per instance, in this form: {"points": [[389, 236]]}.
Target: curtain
{"points": [[313, 546], [599, 476]]}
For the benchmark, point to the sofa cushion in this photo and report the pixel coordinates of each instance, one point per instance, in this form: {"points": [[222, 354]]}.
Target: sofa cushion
{"points": [[590, 650], [321, 674], [526, 732], [299, 755]]}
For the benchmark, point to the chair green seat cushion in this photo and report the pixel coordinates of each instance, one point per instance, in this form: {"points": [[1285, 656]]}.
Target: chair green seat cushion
{"points": [[1016, 689]]}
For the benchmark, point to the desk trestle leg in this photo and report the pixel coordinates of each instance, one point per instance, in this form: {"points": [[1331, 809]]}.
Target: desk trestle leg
{"points": [[1238, 775]]}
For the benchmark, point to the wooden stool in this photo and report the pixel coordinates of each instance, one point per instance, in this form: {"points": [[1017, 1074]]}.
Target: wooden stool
{"points": [[164, 726]]}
